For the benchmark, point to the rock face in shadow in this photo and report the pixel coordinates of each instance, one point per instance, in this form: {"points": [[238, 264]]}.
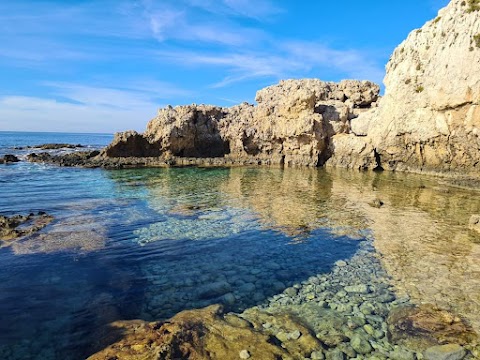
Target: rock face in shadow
{"points": [[189, 131], [429, 118], [9, 159], [130, 144], [292, 124]]}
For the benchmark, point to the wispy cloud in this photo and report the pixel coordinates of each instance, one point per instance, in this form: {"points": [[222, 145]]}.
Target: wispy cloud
{"points": [[354, 63], [170, 23], [260, 10], [287, 60], [87, 108], [82, 60], [42, 114], [134, 96]]}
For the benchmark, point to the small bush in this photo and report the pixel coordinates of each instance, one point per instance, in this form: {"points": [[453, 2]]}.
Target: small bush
{"points": [[408, 81], [427, 47], [419, 67], [419, 89], [476, 39], [437, 19], [473, 5]]}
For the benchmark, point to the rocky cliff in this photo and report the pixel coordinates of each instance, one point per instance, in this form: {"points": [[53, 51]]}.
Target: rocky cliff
{"points": [[429, 118], [291, 124]]}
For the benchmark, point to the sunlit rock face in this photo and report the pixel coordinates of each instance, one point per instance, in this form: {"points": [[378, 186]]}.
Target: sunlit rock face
{"points": [[429, 118], [292, 124]]}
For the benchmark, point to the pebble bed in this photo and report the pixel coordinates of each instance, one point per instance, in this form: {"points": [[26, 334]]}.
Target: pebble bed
{"points": [[347, 309]]}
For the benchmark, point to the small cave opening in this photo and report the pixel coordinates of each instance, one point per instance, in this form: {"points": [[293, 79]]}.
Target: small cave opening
{"points": [[377, 160]]}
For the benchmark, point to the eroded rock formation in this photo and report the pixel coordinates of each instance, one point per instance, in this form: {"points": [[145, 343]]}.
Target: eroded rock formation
{"points": [[292, 124], [429, 118]]}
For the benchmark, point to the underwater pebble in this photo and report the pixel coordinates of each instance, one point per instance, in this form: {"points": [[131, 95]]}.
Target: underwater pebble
{"points": [[244, 354], [317, 355], [360, 344], [445, 352], [294, 335]]}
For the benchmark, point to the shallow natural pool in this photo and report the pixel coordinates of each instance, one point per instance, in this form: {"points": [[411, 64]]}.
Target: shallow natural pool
{"points": [[149, 243]]}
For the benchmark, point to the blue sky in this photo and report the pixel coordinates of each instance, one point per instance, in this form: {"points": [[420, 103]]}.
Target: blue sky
{"points": [[105, 66]]}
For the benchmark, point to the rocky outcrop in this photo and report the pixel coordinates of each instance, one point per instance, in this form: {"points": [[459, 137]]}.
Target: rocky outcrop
{"points": [[9, 159], [429, 118], [292, 124], [50, 146], [189, 131], [130, 144], [207, 334]]}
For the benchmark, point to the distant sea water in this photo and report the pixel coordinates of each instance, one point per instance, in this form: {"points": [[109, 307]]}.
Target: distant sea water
{"points": [[149, 243], [13, 139]]}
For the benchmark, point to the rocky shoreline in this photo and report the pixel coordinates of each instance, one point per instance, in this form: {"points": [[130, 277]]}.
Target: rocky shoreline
{"points": [[349, 313]]}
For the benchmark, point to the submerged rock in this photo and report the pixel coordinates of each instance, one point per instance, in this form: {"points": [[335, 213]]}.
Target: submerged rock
{"points": [[445, 352], [18, 226], [419, 327], [474, 223]]}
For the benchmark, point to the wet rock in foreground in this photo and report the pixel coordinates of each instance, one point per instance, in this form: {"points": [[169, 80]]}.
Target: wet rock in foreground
{"points": [[206, 334]]}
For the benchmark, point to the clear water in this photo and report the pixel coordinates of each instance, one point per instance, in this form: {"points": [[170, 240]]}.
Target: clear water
{"points": [[149, 243]]}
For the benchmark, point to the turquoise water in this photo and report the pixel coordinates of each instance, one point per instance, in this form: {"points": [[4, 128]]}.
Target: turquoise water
{"points": [[148, 243], [144, 244]]}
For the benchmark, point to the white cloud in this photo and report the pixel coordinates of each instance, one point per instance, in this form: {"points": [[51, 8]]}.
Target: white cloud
{"points": [[167, 23], [260, 10], [253, 8], [40, 114], [354, 63], [290, 59], [137, 95], [86, 108]]}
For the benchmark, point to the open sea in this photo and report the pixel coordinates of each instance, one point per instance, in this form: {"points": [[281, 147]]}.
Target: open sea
{"points": [[149, 243]]}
